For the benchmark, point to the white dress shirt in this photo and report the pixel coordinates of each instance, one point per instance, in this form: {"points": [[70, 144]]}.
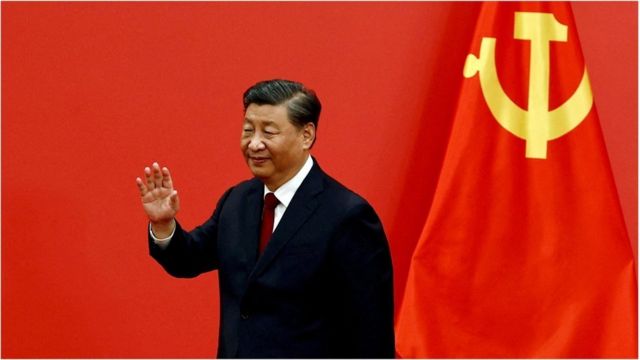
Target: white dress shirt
{"points": [[284, 194]]}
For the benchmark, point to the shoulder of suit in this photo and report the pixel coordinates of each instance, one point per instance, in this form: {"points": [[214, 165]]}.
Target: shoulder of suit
{"points": [[247, 185], [343, 196], [241, 189]]}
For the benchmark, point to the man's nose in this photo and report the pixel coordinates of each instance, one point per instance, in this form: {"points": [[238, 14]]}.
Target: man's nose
{"points": [[256, 143]]}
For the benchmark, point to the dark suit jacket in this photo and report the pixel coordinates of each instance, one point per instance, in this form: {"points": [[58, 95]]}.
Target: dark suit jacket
{"points": [[322, 287]]}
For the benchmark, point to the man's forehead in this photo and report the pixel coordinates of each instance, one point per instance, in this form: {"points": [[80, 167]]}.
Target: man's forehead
{"points": [[266, 113]]}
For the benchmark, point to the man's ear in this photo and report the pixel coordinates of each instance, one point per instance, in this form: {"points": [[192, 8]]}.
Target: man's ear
{"points": [[309, 135]]}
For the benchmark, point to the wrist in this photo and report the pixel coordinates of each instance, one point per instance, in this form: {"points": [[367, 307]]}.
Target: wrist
{"points": [[163, 229]]}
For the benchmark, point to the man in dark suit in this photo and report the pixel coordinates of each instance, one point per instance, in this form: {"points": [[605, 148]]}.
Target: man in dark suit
{"points": [[304, 264]]}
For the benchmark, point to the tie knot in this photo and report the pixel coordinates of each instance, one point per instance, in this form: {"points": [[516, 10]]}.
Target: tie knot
{"points": [[270, 201]]}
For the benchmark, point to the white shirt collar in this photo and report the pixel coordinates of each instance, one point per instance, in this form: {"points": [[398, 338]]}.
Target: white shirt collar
{"points": [[285, 192]]}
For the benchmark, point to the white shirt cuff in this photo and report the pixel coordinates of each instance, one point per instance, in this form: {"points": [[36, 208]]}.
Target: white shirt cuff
{"points": [[162, 243]]}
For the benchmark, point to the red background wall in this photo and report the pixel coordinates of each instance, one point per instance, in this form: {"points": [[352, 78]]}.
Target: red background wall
{"points": [[93, 92]]}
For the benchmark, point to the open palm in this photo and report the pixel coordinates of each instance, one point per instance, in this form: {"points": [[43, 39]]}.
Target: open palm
{"points": [[159, 199]]}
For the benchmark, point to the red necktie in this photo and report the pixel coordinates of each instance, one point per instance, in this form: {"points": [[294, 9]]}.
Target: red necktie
{"points": [[270, 203]]}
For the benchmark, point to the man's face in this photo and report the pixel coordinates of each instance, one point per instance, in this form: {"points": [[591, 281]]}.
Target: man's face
{"points": [[273, 147]]}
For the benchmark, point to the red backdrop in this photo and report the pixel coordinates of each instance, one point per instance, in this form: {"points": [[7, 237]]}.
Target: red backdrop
{"points": [[93, 92]]}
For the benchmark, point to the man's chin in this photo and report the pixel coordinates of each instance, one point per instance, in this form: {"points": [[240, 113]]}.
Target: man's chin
{"points": [[259, 171]]}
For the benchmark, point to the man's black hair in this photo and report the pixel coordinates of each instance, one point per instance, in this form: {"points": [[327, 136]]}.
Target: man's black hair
{"points": [[302, 103]]}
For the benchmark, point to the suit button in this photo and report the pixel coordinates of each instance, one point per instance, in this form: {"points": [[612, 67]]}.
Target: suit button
{"points": [[244, 316]]}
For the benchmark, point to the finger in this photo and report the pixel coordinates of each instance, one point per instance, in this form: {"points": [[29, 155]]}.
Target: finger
{"points": [[143, 189], [147, 174], [166, 178], [175, 201], [157, 175]]}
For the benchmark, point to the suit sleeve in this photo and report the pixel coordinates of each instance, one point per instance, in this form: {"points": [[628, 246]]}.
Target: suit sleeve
{"points": [[364, 279], [191, 253]]}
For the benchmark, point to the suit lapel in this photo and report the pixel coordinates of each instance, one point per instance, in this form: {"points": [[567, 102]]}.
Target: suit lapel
{"points": [[253, 214], [302, 206]]}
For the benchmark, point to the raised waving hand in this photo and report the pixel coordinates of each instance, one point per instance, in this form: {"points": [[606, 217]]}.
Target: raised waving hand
{"points": [[159, 199]]}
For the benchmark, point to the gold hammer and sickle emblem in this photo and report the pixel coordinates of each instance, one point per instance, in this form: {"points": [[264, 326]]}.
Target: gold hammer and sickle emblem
{"points": [[537, 125]]}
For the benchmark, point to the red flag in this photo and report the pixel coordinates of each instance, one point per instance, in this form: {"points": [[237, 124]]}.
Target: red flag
{"points": [[525, 251]]}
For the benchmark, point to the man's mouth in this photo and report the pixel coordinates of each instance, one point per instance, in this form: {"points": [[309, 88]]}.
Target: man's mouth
{"points": [[258, 159]]}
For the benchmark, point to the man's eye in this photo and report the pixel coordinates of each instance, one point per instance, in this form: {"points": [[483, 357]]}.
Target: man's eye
{"points": [[247, 130]]}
